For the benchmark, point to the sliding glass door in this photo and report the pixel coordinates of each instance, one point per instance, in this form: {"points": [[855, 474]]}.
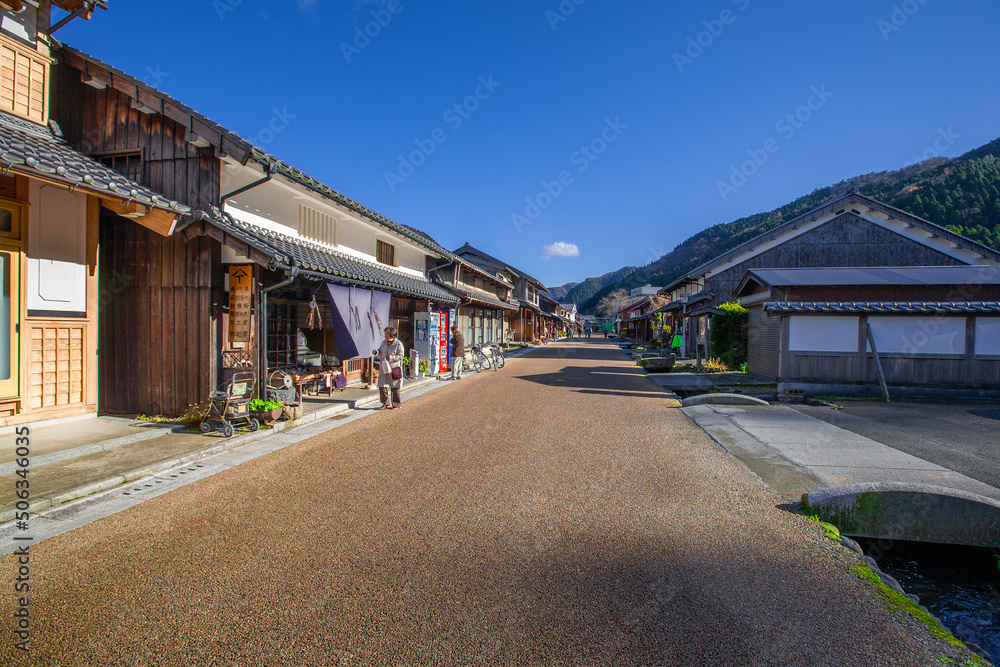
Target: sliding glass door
{"points": [[10, 325]]}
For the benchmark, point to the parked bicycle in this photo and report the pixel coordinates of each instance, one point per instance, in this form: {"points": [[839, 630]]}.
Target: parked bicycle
{"points": [[496, 352], [480, 361]]}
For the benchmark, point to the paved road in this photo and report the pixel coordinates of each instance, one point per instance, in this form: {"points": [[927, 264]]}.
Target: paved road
{"points": [[959, 436], [554, 513]]}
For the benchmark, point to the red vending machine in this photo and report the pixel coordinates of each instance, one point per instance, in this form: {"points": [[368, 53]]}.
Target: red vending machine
{"points": [[443, 340]]}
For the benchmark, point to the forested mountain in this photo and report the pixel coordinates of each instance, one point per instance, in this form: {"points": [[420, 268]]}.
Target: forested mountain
{"points": [[579, 293], [558, 293], [961, 193]]}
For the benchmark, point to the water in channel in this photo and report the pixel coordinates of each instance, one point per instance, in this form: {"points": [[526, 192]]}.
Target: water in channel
{"points": [[959, 585]]}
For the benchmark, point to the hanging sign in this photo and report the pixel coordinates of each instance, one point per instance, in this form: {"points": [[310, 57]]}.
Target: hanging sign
{"points": [[240, 300]]}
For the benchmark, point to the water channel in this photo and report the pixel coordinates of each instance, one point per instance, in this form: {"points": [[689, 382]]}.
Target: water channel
{"points": [[959, 585]]}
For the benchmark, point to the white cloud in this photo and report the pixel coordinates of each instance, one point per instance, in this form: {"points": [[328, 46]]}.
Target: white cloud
{"points": [[560, 249]]}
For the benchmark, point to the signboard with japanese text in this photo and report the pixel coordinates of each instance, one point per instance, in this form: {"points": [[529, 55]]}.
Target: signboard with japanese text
{"points": [[240, 302]]}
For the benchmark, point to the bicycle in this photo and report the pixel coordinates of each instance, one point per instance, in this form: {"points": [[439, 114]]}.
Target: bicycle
{"points": [[479, 359], [496, 352]]}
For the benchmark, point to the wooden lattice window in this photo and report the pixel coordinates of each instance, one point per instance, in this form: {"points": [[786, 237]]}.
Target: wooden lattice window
{"points": [[56, 368], [317, 226], [126, 163], [24, 76], [385, 253]]}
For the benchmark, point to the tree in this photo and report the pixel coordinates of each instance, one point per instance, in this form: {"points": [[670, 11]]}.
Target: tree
{"points": [[613, 302]]}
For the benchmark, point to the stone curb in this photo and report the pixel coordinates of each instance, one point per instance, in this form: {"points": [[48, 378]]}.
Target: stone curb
{"points": [[104, 445], [723, 399]]}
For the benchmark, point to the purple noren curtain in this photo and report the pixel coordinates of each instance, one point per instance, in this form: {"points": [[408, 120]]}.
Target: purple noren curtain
{"points": [[359, 317]]}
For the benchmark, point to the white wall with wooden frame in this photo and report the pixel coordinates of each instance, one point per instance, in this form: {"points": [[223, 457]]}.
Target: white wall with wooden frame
{"points": [[51, 244]]}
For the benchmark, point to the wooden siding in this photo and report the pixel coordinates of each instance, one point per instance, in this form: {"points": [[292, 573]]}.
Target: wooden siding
{"points": [[24, 76], [764, 347], [847, 240], [914, 371], [103, 121], [160, 304]]}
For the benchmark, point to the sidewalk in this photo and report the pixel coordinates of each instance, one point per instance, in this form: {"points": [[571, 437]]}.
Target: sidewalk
{"points": [[79, 458], [795, 454], [76, 459]]}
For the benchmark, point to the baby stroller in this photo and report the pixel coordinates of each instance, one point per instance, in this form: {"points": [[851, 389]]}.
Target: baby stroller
{"points": [[229, 406]]}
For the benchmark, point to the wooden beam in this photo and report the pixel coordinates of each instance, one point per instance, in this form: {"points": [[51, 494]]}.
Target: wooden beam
{"points": [[149, 100], [12, 5], [95, 76], [155, 219], [176, 114], [123, 85]]}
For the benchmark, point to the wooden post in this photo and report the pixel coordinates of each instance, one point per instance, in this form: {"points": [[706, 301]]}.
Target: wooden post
{"points": [[861, 375], [970, 350], [878, 364]]}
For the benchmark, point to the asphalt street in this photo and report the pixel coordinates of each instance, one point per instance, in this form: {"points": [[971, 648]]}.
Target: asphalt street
{"points": [[557, 512], [959, 436]]}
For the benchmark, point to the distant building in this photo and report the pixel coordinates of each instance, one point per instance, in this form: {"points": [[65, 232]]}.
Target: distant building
{"points": [[645, 290], [852, 231], [932, 327]]}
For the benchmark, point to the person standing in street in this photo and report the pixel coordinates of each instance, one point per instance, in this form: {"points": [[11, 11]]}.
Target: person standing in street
{"points": [[676, 344], [457, 353], [390, 374]]}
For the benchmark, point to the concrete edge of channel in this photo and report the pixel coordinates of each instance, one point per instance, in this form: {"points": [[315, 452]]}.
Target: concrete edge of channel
{"points": [[63, 498]]}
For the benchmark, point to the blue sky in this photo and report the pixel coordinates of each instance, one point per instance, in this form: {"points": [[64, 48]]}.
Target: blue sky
{"points": [[608, 128]]}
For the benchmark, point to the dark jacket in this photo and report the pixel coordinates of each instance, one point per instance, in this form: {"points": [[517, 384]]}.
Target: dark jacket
{"points": [[458, 345]]}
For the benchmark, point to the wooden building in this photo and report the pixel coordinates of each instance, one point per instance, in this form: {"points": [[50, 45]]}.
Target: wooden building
{"points": [[484, 313], [57, 288], [846, 330], [526, 322], [181, 322], [849, 231]]}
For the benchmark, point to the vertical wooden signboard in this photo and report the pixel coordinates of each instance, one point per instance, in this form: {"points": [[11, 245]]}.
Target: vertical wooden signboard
{"points": [[240, 300]]}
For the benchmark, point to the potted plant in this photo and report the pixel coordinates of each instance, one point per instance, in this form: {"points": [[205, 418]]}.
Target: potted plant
{"points": [[422, 368], [266, 411]]}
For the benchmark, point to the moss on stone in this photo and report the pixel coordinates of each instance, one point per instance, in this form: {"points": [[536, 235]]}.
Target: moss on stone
{"points": [[897, 601]]}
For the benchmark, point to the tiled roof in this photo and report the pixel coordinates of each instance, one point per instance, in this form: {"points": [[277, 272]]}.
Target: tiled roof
{"points": [[228, 141], [884, 307], [332, 263], [901, 275], [35, 150], [838, 206], [527, 304], [268, 161], [482, 297], [469, 249]]}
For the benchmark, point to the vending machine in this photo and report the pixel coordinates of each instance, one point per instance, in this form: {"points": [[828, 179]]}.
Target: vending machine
{"points": [[443, 341], [434, 341]]}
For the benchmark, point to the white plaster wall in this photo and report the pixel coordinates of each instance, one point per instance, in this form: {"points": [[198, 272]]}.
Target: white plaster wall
{"points": [[57, 249]]}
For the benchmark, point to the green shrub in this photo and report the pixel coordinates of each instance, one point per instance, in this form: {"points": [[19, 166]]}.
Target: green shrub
{"points": [[730, 334], [265, 406]]}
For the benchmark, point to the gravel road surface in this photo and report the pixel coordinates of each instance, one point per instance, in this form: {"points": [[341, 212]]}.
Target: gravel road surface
{"points": [[554, 513]]}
